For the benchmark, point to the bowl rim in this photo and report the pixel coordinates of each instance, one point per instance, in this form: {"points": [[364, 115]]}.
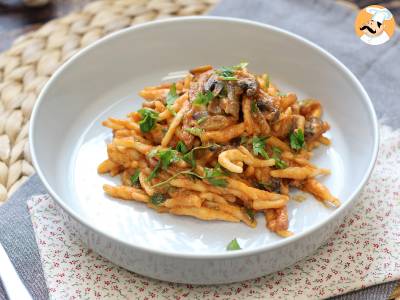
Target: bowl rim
{"points": [[228, 254]]}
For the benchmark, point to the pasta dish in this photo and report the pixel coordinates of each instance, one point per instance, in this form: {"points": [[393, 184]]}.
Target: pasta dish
{"points": [[220, 144]]}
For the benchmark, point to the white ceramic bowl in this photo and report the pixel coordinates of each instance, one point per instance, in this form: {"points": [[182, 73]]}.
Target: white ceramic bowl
{"points": [[68, 142]]}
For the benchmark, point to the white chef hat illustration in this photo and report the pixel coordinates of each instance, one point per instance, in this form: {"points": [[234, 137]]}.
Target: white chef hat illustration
{"points": [[379, 14]]}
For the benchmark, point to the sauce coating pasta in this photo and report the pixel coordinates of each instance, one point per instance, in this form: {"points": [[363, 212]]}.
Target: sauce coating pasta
{"points": [[221, 144]]}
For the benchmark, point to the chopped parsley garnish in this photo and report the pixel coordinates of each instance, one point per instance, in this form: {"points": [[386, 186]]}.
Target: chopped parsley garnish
{"points": [[154, 172], [157, 199], [259, 146], [135, 178], [254, 107], [251, 213], [279, 163], [297, 139], [201, 120], [203, 99], [213, 176], [167, 157], [189, 156], [187, 172], [267, 82], [195, 131], [280, 94], [241, 66], [181, 147], [228, 73], [171, 98], [149, 119], [233, 245]]}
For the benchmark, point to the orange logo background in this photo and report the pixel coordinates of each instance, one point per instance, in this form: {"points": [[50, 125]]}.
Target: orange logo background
{"points": [[363, 17]]}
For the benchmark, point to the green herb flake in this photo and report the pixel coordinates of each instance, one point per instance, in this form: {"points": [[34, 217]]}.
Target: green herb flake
{"points": [[181, 147], [186, 172], [233, 245], [259, 146], [157, 199], [201, 120], [276, 150], [229, 78], [297, 139], [213, 176], [135, 178], [254, 107], [203, 99], [241, 66], [280, 94], [251, 213], [195, 131], [228, 73], [167, 157], [189, 158], [172, 96], [279, 163], [267, 82], [149, 119], [154, 172]]}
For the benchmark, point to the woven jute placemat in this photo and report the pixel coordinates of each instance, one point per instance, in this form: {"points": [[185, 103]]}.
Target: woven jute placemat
{"points": [[34, 57]]}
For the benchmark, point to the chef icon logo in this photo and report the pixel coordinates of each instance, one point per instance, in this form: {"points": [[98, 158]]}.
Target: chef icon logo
{"points": [[374, 25]]}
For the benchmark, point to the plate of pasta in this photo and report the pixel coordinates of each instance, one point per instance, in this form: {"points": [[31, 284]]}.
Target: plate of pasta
{"points": [[220, 144], [204, 165]]}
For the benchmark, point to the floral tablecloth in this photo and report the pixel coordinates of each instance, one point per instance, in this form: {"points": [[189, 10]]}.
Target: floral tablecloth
{"points": [[364, 251]]}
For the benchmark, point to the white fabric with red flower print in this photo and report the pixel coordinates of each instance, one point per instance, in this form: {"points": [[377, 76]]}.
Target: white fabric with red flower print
{"points": [[363, 252]]}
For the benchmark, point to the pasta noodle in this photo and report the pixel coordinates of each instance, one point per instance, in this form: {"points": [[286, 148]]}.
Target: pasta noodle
{"points": [[220, 144]]}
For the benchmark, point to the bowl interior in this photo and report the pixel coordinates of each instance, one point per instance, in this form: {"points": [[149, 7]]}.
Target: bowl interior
{"points": [[69, 142]]}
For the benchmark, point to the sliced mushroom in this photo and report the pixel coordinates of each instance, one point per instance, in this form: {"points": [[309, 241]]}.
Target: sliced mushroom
{"points": [[267, 107], [217, 122], [231, 104], [214, 107], [313, 128], [214, 85], [248, 85]]}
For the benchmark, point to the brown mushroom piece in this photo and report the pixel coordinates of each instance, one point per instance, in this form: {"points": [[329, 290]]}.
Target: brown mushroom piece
{"points": [[313, 128], [231, 103], [248, 85], [217, 122], [214, 85], [267, 107], [197, 87], [214, 107]]}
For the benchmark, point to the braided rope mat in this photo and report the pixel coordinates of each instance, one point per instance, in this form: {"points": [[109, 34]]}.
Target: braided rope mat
{"points": [[34, 57]]}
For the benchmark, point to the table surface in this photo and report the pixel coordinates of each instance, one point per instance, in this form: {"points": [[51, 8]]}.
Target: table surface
{"points": [[16, 18]]}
